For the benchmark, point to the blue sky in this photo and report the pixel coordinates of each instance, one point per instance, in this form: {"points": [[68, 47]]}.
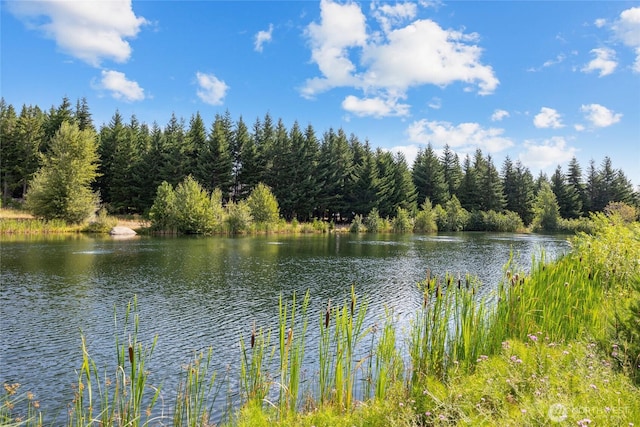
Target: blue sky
{"points": [[538, 81]]}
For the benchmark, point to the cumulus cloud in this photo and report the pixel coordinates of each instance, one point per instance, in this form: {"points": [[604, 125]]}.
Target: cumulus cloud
{"points": [[547, 153], [547, 118], [121, 87], [604, 61], [627, 29], [376, 106], [211, 89], [342, 26], [464, 136], [600, 116], [498, 115], [392, 15], [88, 30], [415, 54], [262, 37]]}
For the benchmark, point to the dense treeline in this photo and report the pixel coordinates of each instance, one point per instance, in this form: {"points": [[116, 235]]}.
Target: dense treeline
{"points": [[333, 176]]}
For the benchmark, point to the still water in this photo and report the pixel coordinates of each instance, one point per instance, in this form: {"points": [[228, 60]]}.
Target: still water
{"points": [[196, 293]]}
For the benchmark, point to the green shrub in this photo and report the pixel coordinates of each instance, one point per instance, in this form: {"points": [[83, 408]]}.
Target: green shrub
{"points": [[425, 221], [263, 205], [402, 222], [103, 223], [238, 218], [373, 222], [357, 225]]}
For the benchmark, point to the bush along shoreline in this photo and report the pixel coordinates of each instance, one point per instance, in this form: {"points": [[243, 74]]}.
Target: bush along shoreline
{"points": [[557, 345]]}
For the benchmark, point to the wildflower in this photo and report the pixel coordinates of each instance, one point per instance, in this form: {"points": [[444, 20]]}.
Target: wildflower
{"points": [[401, 404], [505, 344], [428, 414], [584, 422], [607, 409], [593, 386], [533, 337], [442, 417], [565, 352], [524, 411]]}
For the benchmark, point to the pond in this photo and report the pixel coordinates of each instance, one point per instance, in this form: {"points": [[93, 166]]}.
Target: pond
{"points": [[196, 292]]}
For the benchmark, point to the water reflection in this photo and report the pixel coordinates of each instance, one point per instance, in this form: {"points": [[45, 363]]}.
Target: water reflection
{"points": [[196, 292]]}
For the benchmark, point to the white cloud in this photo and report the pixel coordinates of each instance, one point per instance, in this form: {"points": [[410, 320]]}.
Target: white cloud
{"points": [[600, 116], [120, 87], [627, 29], [417, 54], [212, 90], [498, 115], [464, 136], [341, 27], [579, 127], [546, 154], [435, 103], [600, 22], [391, 15], [604, 61], [376, 106], [263, 37], [547, 118], [88, 30]]}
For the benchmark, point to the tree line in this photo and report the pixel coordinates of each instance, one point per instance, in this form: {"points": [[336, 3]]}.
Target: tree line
{"points": [[333, 176]]}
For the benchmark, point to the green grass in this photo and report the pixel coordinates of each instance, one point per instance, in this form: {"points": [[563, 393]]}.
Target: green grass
{"points": [[557, 345]]}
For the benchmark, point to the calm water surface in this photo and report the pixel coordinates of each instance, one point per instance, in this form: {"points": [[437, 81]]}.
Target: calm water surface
{"points": [[196, 293]]}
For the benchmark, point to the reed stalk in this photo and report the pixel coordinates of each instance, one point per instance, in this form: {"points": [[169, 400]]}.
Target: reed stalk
{"points": [[197, 393], [255, 381]]}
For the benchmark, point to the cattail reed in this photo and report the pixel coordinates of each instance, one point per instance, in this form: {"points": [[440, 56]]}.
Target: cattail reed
{"points": [[253, 335], [327, 315], [289, 337], [130, 354]]}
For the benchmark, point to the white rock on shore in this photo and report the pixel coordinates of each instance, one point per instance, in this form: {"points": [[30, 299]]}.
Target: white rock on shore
{"points": [[122, 231]]}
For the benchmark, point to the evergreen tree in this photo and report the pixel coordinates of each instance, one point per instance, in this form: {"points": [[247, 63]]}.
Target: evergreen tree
{"points": [[215, 167], [9, 149], [83, 115], [281, 174], [29, 134], [195, 144], [451, 170], [241, 139], [525, 193], [574, 179], [593, 188], [172, 159], [364, 188], [566, 195], [493, 198], [335, 165], [404, 194], [469, 187], [111, 139], [385, 183], [547, 212], [250, 172], [54, 120], [428, 177], [61, 189], [306, 191]]}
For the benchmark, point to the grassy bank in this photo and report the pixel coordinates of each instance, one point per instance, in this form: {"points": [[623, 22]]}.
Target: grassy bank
{"points": [[558, 345]]}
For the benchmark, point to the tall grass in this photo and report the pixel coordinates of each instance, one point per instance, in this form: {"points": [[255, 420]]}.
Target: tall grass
{"points": [[36, 226], [127, 401], [197, 393]]}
